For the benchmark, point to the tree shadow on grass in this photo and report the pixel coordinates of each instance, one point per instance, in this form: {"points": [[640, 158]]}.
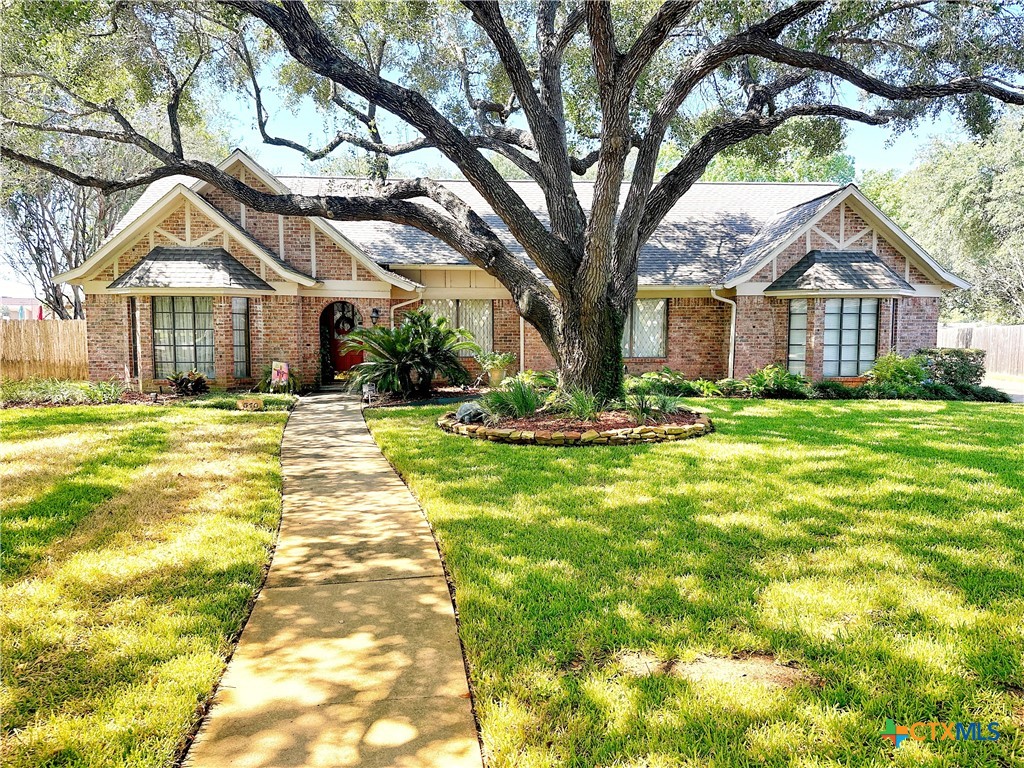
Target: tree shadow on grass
{"points": [[31, 527], [879, 545]]}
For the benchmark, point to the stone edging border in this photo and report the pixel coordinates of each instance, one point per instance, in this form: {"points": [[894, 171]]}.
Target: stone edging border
{"points": [[627, 436]]}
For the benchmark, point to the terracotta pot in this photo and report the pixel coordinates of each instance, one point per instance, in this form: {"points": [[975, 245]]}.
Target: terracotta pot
{"points": [[495, 376]]}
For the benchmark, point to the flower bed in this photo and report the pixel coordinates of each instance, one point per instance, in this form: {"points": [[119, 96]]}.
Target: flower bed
{"points": [[682, 426]]}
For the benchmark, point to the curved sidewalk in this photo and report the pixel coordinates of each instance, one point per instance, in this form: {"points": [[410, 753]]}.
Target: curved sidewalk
{"points": [[351, 656]]}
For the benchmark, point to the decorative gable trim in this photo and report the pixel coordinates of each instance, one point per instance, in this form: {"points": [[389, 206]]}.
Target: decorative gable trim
{"points": [[158, 211], [318, 222], [877, 219]]}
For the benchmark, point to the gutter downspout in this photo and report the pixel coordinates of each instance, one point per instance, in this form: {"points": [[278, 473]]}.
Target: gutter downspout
{"points": [[522, 344], [732, 329], [418, 297]]}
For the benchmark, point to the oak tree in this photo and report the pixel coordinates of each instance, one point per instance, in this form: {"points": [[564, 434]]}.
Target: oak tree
{"points": [[556, 88]]}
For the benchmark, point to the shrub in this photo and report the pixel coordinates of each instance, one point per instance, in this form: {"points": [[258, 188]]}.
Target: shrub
{"points": [[633, 384], [516, 399], [706, 388], [641, 406], [878, 390], [578, 403], [188, 383], [646, 407], [955, 367], [406, 359], [938, 391], [35, 391], [775, 382], [836, 390], [488, 361], [536, 379], [985, 394], [732, 388], [900, 371]]}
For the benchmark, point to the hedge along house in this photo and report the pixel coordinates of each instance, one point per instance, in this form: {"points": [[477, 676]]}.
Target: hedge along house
{"points": [[739, 275]]}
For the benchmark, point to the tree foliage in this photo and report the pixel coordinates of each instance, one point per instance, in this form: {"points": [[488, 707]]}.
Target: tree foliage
{"points": [[559, 90], [962, 202]]}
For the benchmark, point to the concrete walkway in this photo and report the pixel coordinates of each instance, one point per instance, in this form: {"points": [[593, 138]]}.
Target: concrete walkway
{"points": [[351, 656]]}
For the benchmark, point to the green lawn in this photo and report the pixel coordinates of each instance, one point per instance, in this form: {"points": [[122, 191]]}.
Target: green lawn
{"points": [[135, 539], [876, 545]]}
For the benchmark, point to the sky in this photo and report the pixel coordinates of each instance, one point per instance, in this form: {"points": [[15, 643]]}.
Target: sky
{"points": [[872, 147]]}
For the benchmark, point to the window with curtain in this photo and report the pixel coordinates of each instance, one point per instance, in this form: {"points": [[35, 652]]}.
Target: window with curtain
{"points": [[182, 335], [240, 333], [797, 358], [645, 334], [474, 315], [851, 336]]}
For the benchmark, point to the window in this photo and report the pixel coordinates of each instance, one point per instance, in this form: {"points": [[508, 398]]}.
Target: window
{"points": [[474, 315], [645, 331], [240, 333], [851, 336], [797, 337], [182, 334]]}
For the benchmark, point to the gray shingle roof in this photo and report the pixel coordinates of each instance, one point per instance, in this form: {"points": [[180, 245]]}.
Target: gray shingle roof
{"points": [[779, 227], [716, 231], [190, 268], [840, 271], [703, 239]]}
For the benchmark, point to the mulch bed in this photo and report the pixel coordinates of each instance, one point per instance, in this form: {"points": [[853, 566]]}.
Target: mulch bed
{"points": [[550, 422], [393, 400]]}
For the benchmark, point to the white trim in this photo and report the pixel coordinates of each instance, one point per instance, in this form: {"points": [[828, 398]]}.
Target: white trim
{"points": [[280, 235], [826, 236], [160, 209], [185, 290], [836, 294], [429, 292], [188, 222], [732, 329], [350, 288]]}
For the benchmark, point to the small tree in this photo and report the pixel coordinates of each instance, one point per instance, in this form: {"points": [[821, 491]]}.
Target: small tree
{"points": [[408, 358]]}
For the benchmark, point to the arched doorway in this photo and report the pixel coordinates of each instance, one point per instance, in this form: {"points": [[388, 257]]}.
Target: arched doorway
{"points": [[337, 321]]}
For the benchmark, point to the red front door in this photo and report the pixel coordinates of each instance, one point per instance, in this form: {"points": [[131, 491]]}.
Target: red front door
{"points": [[345, 320]]}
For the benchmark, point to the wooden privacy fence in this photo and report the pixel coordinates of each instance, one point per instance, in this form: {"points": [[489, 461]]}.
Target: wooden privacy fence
{"points": [[51, 349], [1003, 344]]}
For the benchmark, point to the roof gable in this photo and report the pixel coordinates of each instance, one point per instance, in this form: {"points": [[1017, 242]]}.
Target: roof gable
{"points": [[156, 211], [762, 251]]}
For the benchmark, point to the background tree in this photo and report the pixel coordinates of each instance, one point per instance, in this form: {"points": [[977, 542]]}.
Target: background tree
{"points": [[963, 202], [555, 89]]}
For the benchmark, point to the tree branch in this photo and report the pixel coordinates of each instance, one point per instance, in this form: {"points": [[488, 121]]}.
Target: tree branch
{"points": [[677, 181]]}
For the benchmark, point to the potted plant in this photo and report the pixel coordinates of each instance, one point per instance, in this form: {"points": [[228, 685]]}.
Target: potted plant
{"points": [[495, 363]]}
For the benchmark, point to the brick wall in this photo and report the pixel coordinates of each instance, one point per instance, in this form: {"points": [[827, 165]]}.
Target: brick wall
{"points": [[107, 324], [762, 328], [917, 324]]}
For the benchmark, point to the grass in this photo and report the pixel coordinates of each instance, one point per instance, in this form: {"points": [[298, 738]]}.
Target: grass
{"points": [[135, 539], [877, 545]]}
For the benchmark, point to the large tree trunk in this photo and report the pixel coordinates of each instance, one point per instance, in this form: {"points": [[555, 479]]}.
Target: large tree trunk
{"points": [[589, 351]]}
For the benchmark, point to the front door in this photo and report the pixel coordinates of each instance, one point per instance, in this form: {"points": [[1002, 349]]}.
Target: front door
{"points": [[345, 319]]}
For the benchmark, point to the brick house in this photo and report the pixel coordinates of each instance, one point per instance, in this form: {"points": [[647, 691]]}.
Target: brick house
{"points": [[739, 275]]}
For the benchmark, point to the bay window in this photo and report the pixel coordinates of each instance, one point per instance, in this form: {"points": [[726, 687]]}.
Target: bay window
{"points": [[240, 334], [797, 357], [851, 336], [182, 335]]}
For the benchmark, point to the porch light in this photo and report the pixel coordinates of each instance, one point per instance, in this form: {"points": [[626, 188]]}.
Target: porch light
{"points": [[375, 315]]}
